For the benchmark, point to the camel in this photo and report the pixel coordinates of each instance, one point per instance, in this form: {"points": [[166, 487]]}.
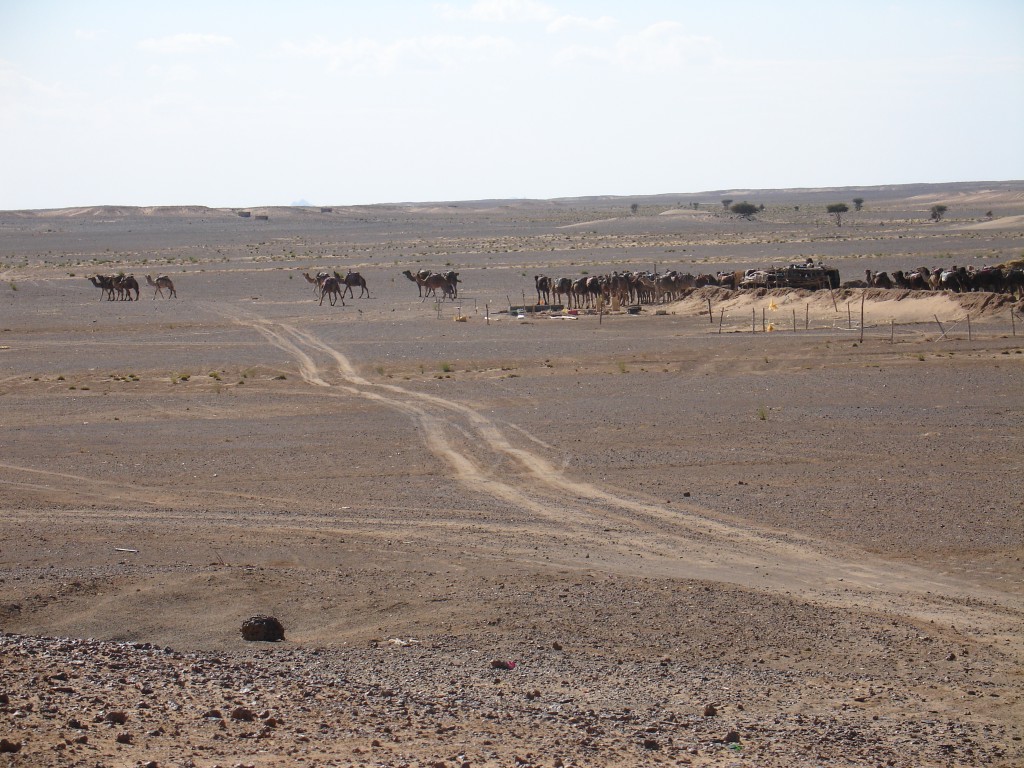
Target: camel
{"points": [[453, 279], [418, 278], [543, 285], [354, 278], [428, 282], [162, 281], [332, 289], [878, 279], [562, 289], [317, 281], [124, 285], [105, 284]]}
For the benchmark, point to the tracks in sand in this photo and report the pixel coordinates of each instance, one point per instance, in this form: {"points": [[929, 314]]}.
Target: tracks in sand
{"points": [[681, 541]]}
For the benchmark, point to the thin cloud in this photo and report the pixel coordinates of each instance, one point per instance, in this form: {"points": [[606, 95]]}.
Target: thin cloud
{"points": [[660, 47], [563, 23], [425, 53], [184, 43], [498, 11]]}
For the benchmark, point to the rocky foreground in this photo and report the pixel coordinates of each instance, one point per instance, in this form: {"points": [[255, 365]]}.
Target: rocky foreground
{"points": [[526, 695]]}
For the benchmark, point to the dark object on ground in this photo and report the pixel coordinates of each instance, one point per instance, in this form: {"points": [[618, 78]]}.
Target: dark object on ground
{"points": [[265, 628]]}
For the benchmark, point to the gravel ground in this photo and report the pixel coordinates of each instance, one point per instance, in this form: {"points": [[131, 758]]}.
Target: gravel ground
{"points": [[619, 540]]}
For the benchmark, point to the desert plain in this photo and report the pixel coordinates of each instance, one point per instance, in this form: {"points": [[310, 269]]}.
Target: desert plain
{"points": [[772, 535]]}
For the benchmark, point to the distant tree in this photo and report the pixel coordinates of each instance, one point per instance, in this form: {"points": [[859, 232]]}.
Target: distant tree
{"points": [[726, 203], [938, 211], [760, 207], [744, 209], [695, 206], [634, 208], [988, 215], [796, 207], [837, 210], [858, 203]]}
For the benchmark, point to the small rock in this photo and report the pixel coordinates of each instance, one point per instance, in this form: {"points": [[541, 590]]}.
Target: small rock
{"points": [[732, 737], [951, 657], [10, 746], [710, 710], [117, 717], [243, 713], [151, 764], [556, 645], [262, 628], [124, 738], [213, 714], [497, 664], [651, 744]]}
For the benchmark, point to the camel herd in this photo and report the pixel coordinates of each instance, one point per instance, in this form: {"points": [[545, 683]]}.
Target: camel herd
{"points": [[629, 288], [624, 287], [119, 287], [956, 279]]}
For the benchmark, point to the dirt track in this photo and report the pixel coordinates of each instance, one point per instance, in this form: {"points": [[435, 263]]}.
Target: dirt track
{"points": [[820, 537]]}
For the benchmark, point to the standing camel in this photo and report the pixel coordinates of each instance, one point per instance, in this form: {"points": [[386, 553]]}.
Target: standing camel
{"points": [[105, 284], [543, 285], [332, 289], [418, 278], [317, 281], [351, 279], [162, 281], [124, 285]]}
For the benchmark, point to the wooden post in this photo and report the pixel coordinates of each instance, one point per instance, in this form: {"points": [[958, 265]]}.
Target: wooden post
{"points": [[711, 316], [849, 317], [721, 317], [753, 320], [940, 326], [807, 317], [892, 331], [1013, 321], [794, 319], [487, 313], [862, 317], [969, 338], [764, 326]]}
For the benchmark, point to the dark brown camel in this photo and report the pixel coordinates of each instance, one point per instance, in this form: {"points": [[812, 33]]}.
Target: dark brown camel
{"points": [[543, 285], [333, 290], [352, 279], [105, 284]]}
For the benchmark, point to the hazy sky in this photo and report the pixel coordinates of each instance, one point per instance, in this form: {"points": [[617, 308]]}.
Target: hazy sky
{"points": [[269, 103]]}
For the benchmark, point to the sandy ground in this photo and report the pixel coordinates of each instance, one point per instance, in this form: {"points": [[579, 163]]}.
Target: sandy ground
{"points": [[654, 539]]}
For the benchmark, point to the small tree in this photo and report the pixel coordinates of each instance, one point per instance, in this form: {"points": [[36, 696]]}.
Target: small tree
{"points": [[726, 203], [858, 203], [744, 209], [938, 211], [837, 210], [634, 208]]}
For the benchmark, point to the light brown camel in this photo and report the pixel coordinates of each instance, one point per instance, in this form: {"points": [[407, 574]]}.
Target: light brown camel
{"points": [[161, 282], [318, 281]]}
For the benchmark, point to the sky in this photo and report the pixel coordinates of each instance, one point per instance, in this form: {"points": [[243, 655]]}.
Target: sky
{"points": [[343, 103]]}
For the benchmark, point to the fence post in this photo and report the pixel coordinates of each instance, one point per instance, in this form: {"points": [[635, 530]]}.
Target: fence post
{"points": [[862, 317], [1013, 321]]}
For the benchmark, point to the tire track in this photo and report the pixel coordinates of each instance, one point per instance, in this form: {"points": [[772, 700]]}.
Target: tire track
{"points": [[683, 542]]}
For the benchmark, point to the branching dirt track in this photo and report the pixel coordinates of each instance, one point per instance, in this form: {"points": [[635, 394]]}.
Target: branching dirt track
{"points": [[697, 549]]}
